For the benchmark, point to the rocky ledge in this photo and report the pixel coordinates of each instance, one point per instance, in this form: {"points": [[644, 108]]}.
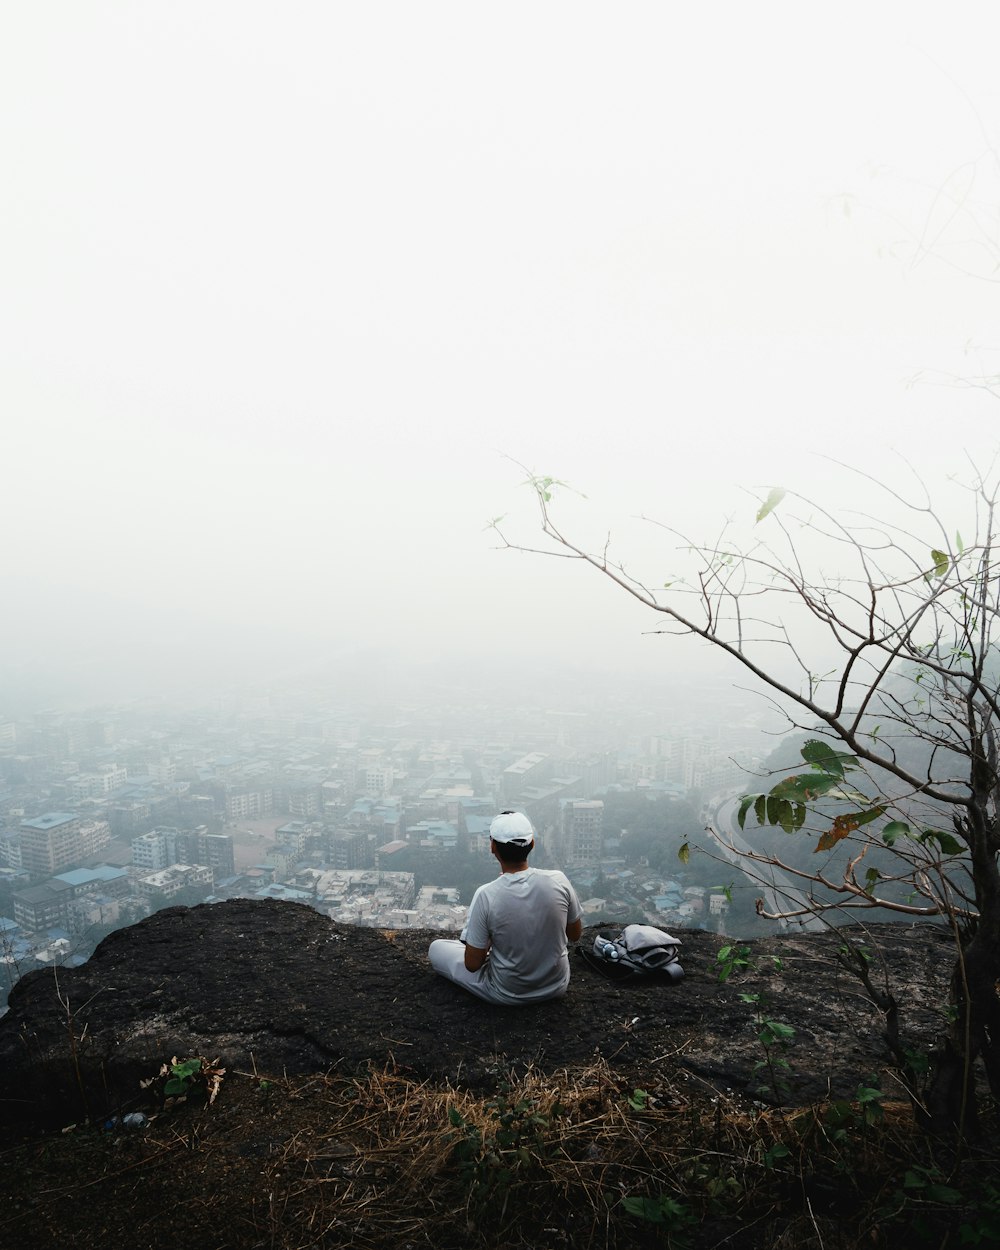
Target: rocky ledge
{"points": [[276, 988]]}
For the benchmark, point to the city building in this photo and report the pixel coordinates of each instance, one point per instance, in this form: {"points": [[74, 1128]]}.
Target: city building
{"points": [[249, 804], [162, 847], [304, 801], [87, 882], [95, 836], [154, 850], [525, 773], [96, 785], [50, 843], [169, 882], [581, 833], [42, 907]]}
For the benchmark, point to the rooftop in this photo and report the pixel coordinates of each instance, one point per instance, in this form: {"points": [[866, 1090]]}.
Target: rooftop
{"points": [[49, 821]]}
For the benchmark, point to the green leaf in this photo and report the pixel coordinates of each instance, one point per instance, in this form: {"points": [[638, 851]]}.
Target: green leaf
{"points": [[455, 1117], [940, 559], [186, 1069], [760, 808], [776, 1152], [943, 1194], [865, 818], [949, 845], [802, 787], [894, 830], [645, 1208], [959, 545], [684, 853], [745, 804], [773, 499], [774, 1031], [871, 876], [822, 756]]}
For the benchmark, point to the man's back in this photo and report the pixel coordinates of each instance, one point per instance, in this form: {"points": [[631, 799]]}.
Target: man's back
{"points": [[522, 918]]}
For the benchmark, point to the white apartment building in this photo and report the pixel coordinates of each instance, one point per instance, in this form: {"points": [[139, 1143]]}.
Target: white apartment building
{"points": [[50, 843], [162, 773], [378, 780], [95, 836], [249, 804], [98, 785], [170, 881], [155, 850]]}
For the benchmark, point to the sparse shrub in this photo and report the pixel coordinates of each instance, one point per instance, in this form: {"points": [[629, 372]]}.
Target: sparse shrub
{"points": [[177, 1080]]}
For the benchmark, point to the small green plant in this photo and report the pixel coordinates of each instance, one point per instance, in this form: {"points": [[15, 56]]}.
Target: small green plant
{"points": [[182, 1077], [983, 1226], [490, 1158], [858, 952], [732, 959], [920, 1200], [468, 1145], [177, 1080], [774, 1154], [870, 1103], [673, 1215], [775, 1038]]}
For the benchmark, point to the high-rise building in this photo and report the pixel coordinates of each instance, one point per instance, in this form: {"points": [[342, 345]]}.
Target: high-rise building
{"points": [[582, 832], [155, 850], [160, 848], [95, 836], [213, 850], [50, 843], [249, 804]]}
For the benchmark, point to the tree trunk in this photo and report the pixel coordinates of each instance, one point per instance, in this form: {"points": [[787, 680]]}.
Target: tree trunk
{"points": [[973, 1035]]}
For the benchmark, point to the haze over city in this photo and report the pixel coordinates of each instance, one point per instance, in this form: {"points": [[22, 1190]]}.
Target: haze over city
{"points": [[288, 293]]}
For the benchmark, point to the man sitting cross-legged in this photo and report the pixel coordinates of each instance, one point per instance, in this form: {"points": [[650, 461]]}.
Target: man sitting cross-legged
{"points": [[513, 948]]}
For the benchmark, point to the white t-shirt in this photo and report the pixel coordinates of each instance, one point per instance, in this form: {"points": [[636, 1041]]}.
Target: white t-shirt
{"points": [[522, 918]]}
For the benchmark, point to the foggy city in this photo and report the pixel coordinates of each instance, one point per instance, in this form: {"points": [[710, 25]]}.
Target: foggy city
{"points": [[386, 389]]}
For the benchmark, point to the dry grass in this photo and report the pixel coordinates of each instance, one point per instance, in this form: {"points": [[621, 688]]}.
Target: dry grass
{"points": [[546, 1161]]}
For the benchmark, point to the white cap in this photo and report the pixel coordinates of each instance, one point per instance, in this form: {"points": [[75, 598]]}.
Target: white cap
{"points": [[514, 828]]}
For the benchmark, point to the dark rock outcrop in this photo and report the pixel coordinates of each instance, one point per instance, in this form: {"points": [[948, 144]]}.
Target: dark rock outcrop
{"points": [[277, 988]]}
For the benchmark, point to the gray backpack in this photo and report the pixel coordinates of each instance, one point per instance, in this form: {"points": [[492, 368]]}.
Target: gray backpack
{"points": [[640, 950]]}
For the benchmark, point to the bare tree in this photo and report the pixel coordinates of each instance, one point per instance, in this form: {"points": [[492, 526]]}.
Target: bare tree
{"points": [[905, 720]]}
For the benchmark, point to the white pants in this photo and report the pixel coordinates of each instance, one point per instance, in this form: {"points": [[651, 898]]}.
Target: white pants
{"points": [[447, 958]]}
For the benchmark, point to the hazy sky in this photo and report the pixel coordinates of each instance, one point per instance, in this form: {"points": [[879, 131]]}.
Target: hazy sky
{"points": [[284, 286]]}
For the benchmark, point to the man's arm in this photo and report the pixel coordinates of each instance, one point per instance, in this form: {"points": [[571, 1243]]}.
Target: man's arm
{"points": [[475, 957], [574, 929], [477, 923]]}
